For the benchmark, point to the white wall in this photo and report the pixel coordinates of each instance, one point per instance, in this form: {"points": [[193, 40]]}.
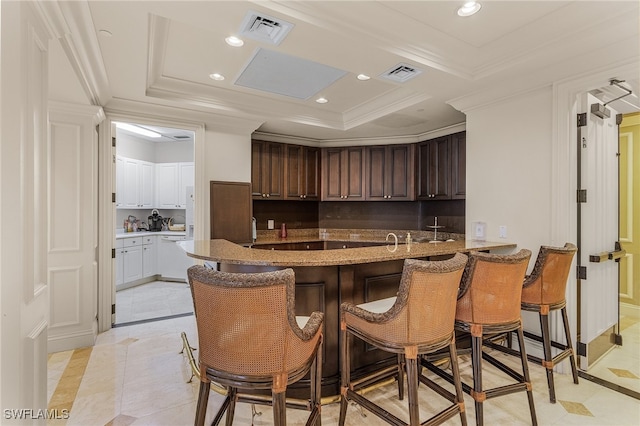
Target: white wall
{"points": [[226, 157], [509, 168]]}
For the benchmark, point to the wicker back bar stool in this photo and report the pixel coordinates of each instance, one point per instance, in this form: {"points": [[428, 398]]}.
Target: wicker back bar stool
{"points": [[249, 339], [419, 320], [489, 305], [544, 291]]}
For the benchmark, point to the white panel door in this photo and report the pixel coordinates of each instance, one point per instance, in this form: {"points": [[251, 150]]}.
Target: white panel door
{"points": [[73, 237], [24, 293], [598, 224]]}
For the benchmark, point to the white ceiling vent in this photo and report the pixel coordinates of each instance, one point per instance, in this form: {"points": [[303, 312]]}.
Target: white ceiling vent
{"points": [[401, 73], [264, 28]]}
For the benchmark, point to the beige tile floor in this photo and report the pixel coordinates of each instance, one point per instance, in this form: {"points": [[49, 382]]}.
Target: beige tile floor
{"points": [[621, 365], [136, 375], [153, 300]]}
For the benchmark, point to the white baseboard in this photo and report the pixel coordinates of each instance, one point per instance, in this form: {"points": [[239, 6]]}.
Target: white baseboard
{"points": [[629, 310], [70, 341]]}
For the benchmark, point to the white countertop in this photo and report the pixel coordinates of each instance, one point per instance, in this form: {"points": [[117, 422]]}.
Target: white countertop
{"points": [[121, 235]]}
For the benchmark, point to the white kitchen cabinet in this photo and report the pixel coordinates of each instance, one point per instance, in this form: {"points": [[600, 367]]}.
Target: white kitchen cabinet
{"points": [[132, 259], [186, 179], [172, 180], [119, 262], [119, 181], [149, 256], [136, 181]]}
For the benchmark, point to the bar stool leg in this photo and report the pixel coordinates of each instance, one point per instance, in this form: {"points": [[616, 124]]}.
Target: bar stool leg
{"points": [[203, 399], [279, 409], [455, 372], [345, 374], [231, 409], [401, 364], [476, 361], [567, 333], [548, 357], [525, 374], [412, 388]]}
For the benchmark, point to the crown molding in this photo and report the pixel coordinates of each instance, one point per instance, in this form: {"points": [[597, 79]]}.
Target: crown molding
{"points": [[95, 112], [71, 24]]}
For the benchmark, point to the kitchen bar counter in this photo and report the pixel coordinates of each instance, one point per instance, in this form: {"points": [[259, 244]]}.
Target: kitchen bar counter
{"points": [[325, 278], [225, 252]]}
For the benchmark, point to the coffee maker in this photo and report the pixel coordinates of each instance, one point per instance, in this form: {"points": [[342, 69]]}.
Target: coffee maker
{"points": [[155, 221]]}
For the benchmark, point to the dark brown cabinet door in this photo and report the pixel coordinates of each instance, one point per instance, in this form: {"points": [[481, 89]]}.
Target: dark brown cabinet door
{"points": [[343, 174], [301, 173], [434, 169], [458, 165], [389, 172], [267, 170]]}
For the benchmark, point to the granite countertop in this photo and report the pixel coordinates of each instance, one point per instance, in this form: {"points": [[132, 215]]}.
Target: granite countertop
{"points": [[224, 251]]}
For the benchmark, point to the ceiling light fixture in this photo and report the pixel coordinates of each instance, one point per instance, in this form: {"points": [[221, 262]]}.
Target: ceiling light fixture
{"points": [[234, 41], [139, 130], [363, 77], [469, 8], [322, 100], [216, 76]]}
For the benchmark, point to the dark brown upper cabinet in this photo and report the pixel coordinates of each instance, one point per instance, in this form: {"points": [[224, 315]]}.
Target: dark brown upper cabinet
{"points": [[441, 173], [267, 171], [302, 168], [343, 174], [390, 173], [459, 166]]}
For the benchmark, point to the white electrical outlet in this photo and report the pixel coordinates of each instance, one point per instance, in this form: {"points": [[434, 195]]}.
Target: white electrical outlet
{"points": [[502, 231], [270, 224]]}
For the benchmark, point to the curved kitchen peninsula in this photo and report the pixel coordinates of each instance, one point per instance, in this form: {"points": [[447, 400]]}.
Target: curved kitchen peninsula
{"points": [[326, 278]]}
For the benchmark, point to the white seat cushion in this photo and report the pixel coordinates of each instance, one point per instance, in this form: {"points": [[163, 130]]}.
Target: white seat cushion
{"points": [[378, 306]]}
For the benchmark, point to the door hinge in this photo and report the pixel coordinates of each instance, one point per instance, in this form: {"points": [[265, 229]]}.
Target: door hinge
{"points": [[582, 272], [618, 119], [581, 349], [113, 309], [113, 253], [113, 197], [582, 196], [582, 119], [113, 142]]}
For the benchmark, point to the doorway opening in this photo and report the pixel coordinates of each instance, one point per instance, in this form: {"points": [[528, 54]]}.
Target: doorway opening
{"points": [[154, 209], [608, 343]]}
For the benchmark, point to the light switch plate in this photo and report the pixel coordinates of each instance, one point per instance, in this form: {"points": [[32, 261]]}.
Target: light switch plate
{"points": [[270, 224], [479, 231]]}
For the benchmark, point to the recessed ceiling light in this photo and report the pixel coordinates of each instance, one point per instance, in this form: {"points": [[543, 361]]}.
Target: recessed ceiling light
{"points": [[363, 77], [234, 41], [216, 76], [469, 8], [322, 100]]}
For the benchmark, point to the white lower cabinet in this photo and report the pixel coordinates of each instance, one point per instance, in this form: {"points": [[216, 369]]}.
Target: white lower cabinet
{"points": [[132, 261], [119, 262], [149, 256], [145, 256]]}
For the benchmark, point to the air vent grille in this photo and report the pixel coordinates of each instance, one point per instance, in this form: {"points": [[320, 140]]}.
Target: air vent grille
{"points": [[264, 28], [401, 73]]}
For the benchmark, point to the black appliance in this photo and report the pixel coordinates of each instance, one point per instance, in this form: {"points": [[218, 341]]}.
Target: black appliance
{"points": [[155, 221]]}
